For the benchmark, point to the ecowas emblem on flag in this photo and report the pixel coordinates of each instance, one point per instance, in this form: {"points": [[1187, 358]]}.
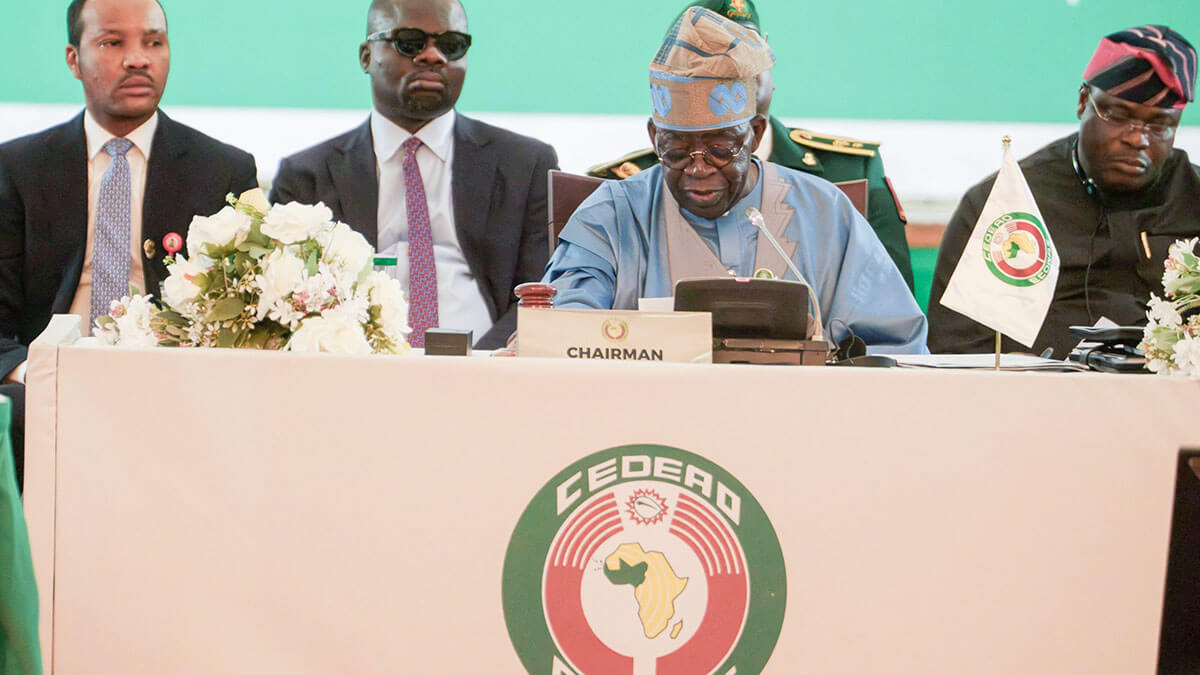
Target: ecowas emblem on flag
{"points": [[1008, 271], [644, 559]]}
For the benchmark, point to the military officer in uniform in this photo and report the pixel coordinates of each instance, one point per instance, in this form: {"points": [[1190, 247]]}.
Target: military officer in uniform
{"points": [[852, 164]]}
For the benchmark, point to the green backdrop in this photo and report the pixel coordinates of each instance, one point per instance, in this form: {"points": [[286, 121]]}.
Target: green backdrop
{"points": [[1016, 60]]}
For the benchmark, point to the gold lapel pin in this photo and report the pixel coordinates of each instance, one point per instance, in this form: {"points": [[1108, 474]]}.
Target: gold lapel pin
{"points": [[809, 159], [149, 248]]}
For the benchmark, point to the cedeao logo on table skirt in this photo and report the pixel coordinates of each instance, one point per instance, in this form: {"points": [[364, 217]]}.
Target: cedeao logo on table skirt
{"points": [[644, 559]]}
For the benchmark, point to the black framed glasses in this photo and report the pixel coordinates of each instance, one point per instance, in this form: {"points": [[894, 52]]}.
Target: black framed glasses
{"points": [[412, 41], [1118, 118], [717, 155]]}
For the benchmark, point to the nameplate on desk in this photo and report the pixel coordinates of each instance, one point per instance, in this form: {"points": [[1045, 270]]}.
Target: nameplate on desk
{"points": [[679, 337]]}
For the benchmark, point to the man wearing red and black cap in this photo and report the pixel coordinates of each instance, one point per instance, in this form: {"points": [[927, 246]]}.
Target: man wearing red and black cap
{"points": [[1114, 195]]}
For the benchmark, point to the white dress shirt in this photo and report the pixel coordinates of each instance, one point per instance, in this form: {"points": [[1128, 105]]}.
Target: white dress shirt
{"points": [[460, 301], [98, 161]]}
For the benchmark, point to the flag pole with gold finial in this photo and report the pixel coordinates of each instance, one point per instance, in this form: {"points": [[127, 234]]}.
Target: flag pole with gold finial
{"points": [[1007, 142]]}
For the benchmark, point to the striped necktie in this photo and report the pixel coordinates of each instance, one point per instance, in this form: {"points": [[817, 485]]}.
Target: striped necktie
{"points": [[110, 251], [422, 274]]}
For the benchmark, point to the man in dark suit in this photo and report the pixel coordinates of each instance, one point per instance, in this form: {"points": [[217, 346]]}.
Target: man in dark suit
{"points": [[84, 205], [461, 204]]}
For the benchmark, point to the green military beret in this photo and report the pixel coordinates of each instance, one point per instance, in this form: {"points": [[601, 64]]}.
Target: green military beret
{"points": [[741, 11]]}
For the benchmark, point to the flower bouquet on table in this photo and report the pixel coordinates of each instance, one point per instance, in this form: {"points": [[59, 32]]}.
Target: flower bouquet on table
{"points": [[258, 276], [1171, 341]]}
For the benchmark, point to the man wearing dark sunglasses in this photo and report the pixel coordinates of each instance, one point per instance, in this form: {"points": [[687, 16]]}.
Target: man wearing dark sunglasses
{"points": [[461, 204], [1114, 196], [687, 216]]}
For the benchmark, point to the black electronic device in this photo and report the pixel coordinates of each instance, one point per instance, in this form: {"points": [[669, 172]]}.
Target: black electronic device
{"points": [[748, 308], [1109, 350], [1116, 335], [868, 361], [754, 320], [448, 342]]}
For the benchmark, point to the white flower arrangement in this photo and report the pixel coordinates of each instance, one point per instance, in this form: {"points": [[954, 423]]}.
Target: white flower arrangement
{"points": [[267, 277], [1170, 341]]}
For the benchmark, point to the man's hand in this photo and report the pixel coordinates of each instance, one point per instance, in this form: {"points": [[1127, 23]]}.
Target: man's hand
{"points": [[17, 375]]}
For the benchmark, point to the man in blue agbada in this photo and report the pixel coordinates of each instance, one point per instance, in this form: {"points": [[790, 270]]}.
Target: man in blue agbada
{"points": [[687, 218]]}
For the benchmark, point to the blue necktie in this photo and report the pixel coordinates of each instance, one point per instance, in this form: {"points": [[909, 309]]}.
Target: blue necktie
{"points": [[110, 254]]}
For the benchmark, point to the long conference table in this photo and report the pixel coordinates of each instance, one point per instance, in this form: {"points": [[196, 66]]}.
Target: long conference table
{"points": [[204, 511]]}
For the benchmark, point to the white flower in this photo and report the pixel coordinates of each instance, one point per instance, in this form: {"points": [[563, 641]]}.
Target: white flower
{"points": [[1162, 313], [348, 253], [225, 227], [1176, 270], [355, 309], [1187, 356], [178, 289], [1181, 248], [317, 293], [325, 334], [384, 292], [293, 222], [282, 275], [1171, 278], [131, 323], [255, 198]]}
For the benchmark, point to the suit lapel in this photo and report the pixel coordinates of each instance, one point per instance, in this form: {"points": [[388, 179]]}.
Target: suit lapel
{"points": [[164, 201], [472, 174], [66, 198], [355, 177]]}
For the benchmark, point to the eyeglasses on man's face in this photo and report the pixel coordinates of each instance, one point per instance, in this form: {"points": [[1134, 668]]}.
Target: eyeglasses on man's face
{"points": [[717, 155], [412, 41], [1117, 118]]}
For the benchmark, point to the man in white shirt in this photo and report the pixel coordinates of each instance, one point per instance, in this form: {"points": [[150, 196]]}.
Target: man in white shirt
{"points": [[84, 205], [461, 204]]}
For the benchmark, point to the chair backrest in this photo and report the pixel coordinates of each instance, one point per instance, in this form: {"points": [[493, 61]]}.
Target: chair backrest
{"points": [[566, 192]]}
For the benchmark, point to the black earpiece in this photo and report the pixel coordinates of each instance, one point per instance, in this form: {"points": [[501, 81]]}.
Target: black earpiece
{"points": [[1089, 185]]}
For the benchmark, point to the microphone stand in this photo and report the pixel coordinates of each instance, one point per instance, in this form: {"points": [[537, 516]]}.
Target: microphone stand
{"points": [[756, 218]]}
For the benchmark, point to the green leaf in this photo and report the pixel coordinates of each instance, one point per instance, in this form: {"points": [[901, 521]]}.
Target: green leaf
{"points": [[226, 309], [311, 263], [201, 281], [226, 338], [215, 284], [172, 317], [255, 251], [256, 236]]}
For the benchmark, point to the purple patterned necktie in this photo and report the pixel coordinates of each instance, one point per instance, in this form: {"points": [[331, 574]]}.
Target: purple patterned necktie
{"points": [[422, 275], [110, 251]]}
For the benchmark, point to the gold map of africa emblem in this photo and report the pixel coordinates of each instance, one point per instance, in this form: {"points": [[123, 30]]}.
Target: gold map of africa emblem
{"points": [[1017, 243], [655, 585]]}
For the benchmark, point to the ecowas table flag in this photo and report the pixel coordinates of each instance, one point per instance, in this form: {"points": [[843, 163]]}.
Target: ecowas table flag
{"points": [[1006, 276]]}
